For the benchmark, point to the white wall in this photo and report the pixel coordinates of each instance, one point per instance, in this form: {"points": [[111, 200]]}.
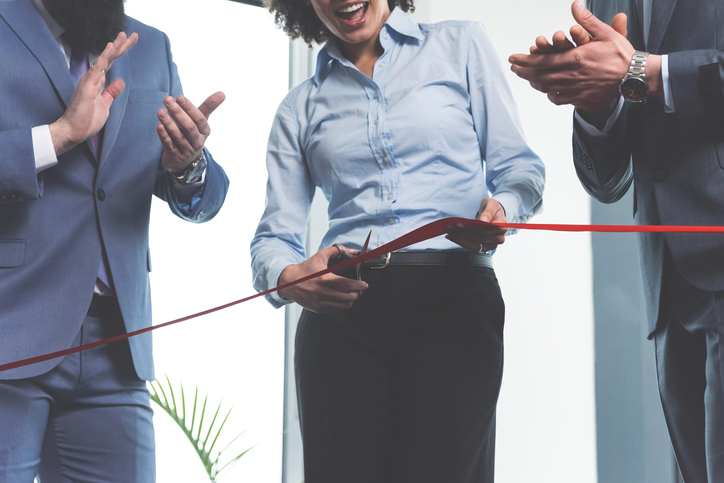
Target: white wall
{"points": [[546, 412]]}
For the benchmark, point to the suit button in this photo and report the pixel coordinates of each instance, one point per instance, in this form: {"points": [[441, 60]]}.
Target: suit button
{"points": [[101, 195], [3, 197], [660, 175], [587, 162], [13, 196]]}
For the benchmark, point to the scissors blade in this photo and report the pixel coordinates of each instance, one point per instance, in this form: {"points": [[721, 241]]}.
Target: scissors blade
{"points": [[362, 252]]}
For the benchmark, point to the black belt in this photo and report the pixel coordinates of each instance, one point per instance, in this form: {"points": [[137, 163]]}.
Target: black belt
{"points": [[103, 306], [431, 258], [425, 259]]}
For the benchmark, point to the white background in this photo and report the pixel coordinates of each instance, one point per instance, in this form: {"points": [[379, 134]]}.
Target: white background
{"points": [[546, 413], [236, 355]]}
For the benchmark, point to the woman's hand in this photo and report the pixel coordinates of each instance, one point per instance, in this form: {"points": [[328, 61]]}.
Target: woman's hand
{"points": [[328, 293], [481, 238]]}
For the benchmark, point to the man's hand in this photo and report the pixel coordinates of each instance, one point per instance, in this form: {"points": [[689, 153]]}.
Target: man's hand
{"points": [[589, 74], [328, 293], [184, 129], [481, 238], [90, 105]]}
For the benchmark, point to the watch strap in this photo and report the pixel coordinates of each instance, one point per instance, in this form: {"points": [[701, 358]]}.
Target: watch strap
{"points": [[193, 172]]}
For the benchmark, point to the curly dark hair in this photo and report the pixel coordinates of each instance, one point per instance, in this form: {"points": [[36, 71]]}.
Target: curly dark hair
{"points": [[298, 18]]}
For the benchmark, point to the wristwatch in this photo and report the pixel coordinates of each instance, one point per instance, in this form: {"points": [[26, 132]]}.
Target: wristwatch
{"points": [[634, 87], [193, 172]]}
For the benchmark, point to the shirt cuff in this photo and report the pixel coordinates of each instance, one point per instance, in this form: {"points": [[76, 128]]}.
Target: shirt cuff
{"points": [[591, 130], [274, 298], [669, 106], [43, 148], [510, 204]]}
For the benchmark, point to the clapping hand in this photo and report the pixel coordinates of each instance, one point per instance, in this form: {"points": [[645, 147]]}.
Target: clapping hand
{"points": [[184, 129], [90, 105], [586, 74]]}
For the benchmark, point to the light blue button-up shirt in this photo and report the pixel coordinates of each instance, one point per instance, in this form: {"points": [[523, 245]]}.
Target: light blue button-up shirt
{"points": [[432, 133]]}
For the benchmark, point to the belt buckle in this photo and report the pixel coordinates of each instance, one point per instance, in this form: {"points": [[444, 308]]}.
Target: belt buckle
{"points": [[387, 259]]}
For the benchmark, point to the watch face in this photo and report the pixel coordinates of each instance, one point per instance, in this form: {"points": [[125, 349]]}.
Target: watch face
{"points": [[634, 89]]}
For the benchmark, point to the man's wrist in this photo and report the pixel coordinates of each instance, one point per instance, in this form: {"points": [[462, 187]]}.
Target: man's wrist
{"points": [[62, 142], [193, 172], [653, 76], [598, 119]]}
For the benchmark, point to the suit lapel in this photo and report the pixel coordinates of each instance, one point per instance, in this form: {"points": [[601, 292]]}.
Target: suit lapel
{"points": [[27, 23], [120, 70], [660, 17]]}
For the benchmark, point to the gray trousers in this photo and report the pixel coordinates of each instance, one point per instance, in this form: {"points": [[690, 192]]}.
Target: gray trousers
{"points": [[689, 359], [87, 420]]}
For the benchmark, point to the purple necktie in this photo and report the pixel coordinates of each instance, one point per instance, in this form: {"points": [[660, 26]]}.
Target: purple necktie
{"points": [[78, 68]]}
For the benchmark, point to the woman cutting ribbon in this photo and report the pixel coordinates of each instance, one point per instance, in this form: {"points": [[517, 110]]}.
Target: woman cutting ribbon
{"points": [[398, 373]]}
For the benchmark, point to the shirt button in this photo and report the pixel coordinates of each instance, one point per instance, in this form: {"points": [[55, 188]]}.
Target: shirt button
{"points": [[392, 221], [377, 96], [386, 159], [101, 195], [390, 196], [382, 65], [377, 121], [385, 36]]}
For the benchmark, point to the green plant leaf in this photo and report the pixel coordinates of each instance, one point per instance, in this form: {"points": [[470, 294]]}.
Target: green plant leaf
{"points": [[160, 395]]}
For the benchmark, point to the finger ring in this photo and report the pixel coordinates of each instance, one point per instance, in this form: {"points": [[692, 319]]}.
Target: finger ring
{"points": [[481, 249], [339, 248]]}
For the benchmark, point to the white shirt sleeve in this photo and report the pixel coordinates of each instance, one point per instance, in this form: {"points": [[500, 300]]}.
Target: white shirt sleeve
{"points": [[43, 148], [591, 130], [669, 106]]}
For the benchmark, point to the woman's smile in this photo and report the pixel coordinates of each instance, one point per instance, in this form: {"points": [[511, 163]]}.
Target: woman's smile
{"points": [[354, 14]]}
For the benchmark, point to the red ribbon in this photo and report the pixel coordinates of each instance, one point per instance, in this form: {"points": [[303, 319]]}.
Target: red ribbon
{"points": [[431, 230]]}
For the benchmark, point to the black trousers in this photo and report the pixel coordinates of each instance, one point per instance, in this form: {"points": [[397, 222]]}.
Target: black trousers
{"points": [[403, 386], [690, 362]]}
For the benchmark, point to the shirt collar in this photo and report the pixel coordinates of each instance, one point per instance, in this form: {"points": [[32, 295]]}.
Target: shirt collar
{"points": [[398, 21], [54, 26]]}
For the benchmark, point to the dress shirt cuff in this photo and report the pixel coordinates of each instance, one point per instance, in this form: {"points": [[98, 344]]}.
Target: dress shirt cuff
{"points": [[510, 204], [43, 148], [591, 130], [669, 106], [274, 273]]}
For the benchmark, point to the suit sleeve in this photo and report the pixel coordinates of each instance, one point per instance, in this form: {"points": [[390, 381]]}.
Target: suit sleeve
{"points": [[603, 165], [18, 179], [697, 84], [207, 201]]}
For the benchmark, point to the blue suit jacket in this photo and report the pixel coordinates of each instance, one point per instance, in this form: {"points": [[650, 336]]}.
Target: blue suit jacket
{"points": [[675, 161], [53, 225]]}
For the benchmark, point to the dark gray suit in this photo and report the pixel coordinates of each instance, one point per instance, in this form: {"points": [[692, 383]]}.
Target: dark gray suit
{"points": [[675, 162]]}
